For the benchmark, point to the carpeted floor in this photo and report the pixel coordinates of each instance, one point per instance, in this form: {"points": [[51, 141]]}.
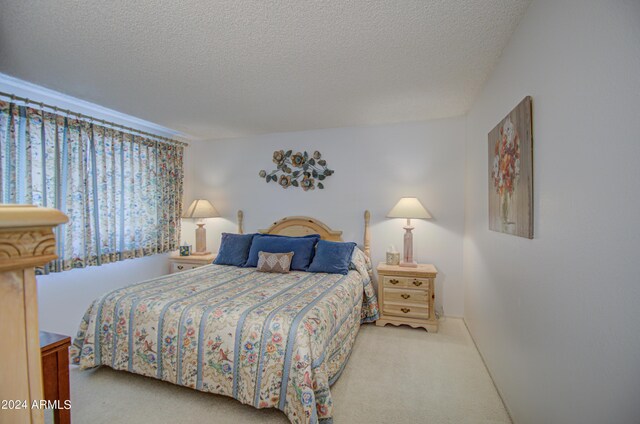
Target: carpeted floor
{"points": [[395, 375]]}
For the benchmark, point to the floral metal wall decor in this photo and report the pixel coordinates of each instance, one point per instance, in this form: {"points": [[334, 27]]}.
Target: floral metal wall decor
{"points": [[298, 170], [511, 173]]}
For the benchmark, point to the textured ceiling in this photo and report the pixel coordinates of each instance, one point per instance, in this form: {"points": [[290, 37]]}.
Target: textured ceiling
{"points": [[229, 68]]}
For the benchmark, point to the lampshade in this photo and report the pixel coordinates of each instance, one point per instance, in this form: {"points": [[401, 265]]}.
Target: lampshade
{"points": [[201, 208], [408, 207]]}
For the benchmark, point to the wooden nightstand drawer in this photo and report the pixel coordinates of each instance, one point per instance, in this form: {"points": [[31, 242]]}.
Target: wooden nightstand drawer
{"points": [[179, 263], [177, 267], [411, 311], [408, 282], [404, 296]]}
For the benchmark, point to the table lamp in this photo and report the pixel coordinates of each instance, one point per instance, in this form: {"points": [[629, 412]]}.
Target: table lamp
{"points": [[408, 207], [200, 209]]}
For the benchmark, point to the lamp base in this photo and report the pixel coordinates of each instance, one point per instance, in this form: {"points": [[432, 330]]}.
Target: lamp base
{"points": [[201, 241], [407, 258]]}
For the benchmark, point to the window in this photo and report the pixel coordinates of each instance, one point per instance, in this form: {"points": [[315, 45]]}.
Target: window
{"points": [[122, 192]]}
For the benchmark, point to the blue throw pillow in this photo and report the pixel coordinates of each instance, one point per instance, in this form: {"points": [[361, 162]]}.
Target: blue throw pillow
{"points": [[332, 257], [302, 248], [234, 249]]}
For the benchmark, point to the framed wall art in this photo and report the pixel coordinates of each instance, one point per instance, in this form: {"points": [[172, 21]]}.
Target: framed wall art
{"points": [[511, 173]]}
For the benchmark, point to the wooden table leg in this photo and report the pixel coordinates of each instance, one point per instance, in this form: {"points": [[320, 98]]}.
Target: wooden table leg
{"points": [[55, 370], [63, 415]]}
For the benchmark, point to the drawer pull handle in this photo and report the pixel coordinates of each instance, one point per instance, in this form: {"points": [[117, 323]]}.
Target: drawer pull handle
{"points": [[405, 310], [394, 281], [405, 296], [180, 267], [417, 283]]}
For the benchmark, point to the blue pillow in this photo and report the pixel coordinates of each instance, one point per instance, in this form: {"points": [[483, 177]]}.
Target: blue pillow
{"points": [[234, 249], [302, 248], [332, 257]]}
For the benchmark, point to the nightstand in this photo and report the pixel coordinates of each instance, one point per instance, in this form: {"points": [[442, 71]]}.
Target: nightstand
{"points": [[179, 263], [406, 296], [54, 355]]}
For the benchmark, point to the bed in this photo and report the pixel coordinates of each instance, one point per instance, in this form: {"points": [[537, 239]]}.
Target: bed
{"points": [[267, 340]]}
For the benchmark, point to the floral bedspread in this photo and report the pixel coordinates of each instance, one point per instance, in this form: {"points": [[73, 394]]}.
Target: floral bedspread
{"points": [[268, 340]]}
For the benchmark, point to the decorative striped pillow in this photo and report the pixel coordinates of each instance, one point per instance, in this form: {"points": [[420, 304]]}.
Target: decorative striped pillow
{"points": [[274, 262]]}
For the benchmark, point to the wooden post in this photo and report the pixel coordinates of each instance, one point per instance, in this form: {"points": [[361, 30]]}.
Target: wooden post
{"points": [[26, 241], [367, 234]]}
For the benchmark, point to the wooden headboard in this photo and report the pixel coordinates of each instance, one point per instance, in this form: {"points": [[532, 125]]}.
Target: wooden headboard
{"points": [[297, 226], [304, 225]]}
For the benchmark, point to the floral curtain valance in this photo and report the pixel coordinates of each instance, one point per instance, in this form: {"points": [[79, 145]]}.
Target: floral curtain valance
{"points": [[122, 192]]}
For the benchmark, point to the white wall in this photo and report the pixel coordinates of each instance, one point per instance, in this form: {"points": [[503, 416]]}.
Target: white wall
{"points": [[374, 167], [64, 297], [557, 318]]}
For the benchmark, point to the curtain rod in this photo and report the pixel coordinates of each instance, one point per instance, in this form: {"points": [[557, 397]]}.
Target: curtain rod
{"points": [[70, 113]]}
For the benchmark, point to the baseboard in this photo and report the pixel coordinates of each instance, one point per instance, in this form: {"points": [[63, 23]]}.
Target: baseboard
{"points": [[506, 407]]}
